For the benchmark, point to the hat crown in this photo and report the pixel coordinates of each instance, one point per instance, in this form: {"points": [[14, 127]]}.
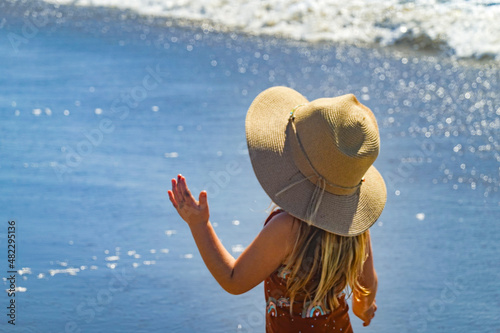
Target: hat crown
{"points": [[339, 137]]}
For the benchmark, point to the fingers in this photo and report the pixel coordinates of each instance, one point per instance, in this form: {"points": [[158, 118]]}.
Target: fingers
{"points": [[175, 192], [180, 192], [371, 314], [172, 199], [368, 321], [181, 185], [179, 189], [203, 199], [183, 188]]}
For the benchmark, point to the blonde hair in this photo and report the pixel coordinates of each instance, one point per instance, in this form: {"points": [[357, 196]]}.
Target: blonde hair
{"points": [[322, 265]]}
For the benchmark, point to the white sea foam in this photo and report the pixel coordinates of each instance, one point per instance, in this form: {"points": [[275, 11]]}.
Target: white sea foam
{"points": [[469, 28], [70, 271], [24, 270], [18, 289]]}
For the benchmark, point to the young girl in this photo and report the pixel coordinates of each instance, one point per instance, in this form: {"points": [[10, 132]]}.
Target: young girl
{"points": [[314, 160]]}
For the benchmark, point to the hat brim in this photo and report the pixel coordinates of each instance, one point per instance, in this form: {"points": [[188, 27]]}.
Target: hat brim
{"points": [[271, 156]]}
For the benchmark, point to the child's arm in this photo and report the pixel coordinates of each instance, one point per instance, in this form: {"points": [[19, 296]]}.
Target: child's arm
{"points": [[364, 306], [257, 262]]}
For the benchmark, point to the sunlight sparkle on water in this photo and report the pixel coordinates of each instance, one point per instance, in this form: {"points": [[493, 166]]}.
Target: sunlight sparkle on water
{"points": [[237, 248], [420, 216]]}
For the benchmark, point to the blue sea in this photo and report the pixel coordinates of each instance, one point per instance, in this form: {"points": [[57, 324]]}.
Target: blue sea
{"points": [[103, 102]]}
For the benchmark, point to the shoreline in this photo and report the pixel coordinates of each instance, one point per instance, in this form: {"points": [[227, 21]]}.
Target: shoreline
{"points": [[131, 21]]}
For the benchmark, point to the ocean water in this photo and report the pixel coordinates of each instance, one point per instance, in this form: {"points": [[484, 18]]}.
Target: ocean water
{"points": [[100, 108], [461, 28]]}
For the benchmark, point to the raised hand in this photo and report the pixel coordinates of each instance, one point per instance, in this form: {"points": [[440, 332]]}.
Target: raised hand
{"points": [[192, 211]]}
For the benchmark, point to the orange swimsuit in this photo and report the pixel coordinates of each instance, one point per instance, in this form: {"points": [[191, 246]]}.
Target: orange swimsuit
{"points": [[305, 318]]}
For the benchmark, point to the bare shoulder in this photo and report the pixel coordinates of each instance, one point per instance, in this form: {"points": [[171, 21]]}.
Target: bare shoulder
{"points": [[284, 220], [285, 227]]}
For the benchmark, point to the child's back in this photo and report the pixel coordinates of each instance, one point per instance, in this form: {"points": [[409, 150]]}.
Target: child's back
{"points": [[305, 316]]}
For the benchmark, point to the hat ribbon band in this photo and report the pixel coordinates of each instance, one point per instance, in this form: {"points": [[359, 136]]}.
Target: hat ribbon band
{"points": [[316, 197]]}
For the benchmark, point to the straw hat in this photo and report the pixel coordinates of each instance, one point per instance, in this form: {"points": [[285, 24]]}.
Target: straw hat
{"points": [[314, 159]]}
